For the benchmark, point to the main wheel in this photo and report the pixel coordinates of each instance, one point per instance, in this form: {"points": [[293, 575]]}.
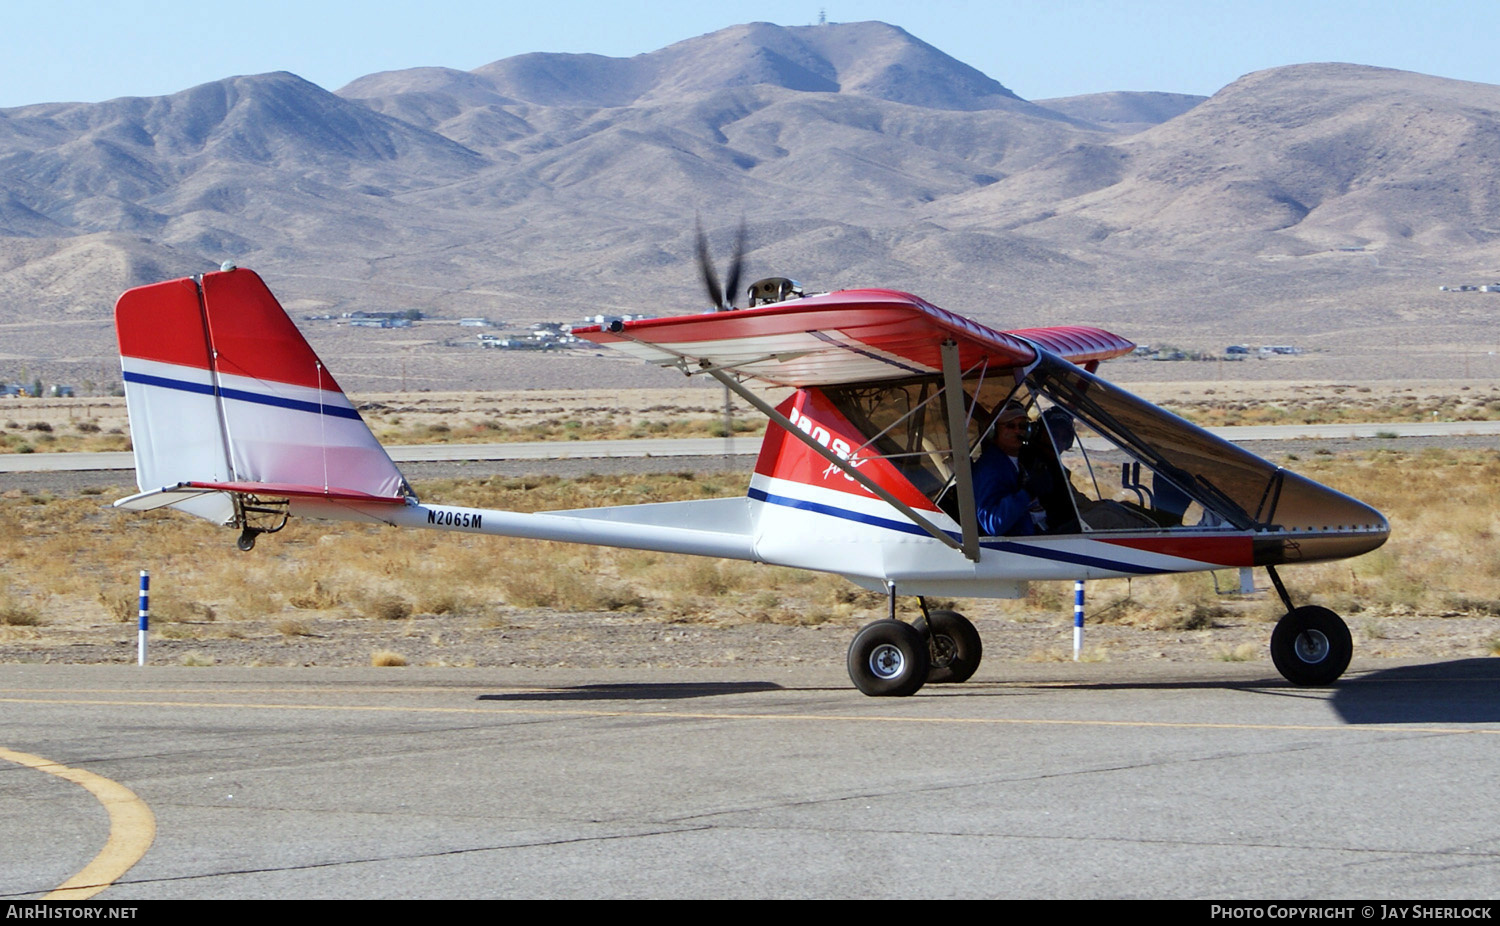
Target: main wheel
{"points": [[953, 645], [1311, 646], [888, 659]]}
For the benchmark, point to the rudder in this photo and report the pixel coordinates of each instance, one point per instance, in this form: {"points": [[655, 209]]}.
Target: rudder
{"points": [[223, 388]]}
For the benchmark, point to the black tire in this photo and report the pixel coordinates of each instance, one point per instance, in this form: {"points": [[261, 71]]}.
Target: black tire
{"points": [[1311, 646], [888, 659], [954, 647]]}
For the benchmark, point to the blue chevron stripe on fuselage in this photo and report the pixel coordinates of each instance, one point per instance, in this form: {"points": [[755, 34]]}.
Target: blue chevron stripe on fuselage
{"points": [[1000, 545]]}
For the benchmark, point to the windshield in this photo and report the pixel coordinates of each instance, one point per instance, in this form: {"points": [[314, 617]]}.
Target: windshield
{"points": [[1174, 468]]}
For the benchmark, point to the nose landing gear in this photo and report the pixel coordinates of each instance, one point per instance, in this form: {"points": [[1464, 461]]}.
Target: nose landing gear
{"points": [[1311, 645]]}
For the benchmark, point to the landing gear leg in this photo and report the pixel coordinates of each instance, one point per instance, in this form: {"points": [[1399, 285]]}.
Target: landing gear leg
{"points": [[1310, 645]]}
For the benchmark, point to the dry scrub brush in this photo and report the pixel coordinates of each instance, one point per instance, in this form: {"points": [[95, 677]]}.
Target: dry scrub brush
{"points": [[74, 562]]}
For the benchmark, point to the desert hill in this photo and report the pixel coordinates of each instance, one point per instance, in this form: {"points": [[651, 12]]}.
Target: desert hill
{"points": [[1316, 203], [1127, 111]]}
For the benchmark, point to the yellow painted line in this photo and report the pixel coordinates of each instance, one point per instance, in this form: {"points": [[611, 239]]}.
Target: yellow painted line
{"points": [[826, 718], [132, 827]]}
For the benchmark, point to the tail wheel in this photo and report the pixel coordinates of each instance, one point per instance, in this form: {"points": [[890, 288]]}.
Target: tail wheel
{"points": [[1311, 646], [953, 646], [888, 659]]}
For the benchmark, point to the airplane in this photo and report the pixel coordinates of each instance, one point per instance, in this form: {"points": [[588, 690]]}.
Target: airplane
{"points": [[235, 419]]}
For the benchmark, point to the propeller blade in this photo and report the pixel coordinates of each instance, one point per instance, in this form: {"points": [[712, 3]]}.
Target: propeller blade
{"points": [[706, 269], [732, 282]]}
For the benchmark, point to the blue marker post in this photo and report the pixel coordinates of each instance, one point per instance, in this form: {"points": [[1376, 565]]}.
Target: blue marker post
{"points": [[1077, 619], [144, 613]]}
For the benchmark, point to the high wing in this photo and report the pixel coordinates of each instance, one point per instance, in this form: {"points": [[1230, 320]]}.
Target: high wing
{"points": [[852, 336]]}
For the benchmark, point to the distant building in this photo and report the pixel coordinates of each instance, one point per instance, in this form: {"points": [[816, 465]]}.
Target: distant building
{"points": [[496, 342], [475, 323], [603, 320]]}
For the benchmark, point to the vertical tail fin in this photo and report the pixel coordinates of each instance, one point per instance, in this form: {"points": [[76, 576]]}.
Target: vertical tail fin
{"points": [[223, 389]]}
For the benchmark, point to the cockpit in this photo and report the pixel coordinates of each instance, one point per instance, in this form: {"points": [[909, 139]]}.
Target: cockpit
{"points": [[1094, 457]]}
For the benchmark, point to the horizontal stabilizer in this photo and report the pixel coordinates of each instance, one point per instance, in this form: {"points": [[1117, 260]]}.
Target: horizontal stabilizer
{"points": [[183, 491]]}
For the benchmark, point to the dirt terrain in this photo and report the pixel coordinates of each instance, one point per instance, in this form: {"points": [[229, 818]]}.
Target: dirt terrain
{"points": [[542, 639]]}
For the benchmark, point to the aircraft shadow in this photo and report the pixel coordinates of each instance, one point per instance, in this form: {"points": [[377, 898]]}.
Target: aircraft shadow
{"points": [[635, 691], [1462, 691]]}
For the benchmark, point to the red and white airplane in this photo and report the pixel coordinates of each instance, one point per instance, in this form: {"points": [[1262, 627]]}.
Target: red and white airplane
{"points": [[235, 419]]}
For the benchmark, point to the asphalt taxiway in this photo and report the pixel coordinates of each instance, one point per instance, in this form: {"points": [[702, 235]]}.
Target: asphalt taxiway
{"points": [[1213, 781]]}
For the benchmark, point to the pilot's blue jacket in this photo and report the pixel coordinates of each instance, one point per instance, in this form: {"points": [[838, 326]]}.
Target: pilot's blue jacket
{"points": [[1003, 507]]}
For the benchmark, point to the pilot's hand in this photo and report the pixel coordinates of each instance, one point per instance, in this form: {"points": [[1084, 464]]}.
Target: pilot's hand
{"points": [[1034, 483]]}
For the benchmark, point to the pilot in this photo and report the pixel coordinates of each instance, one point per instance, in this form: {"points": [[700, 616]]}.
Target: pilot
{"points": [[1098, 514], [1045, 476], [1004, 506]]}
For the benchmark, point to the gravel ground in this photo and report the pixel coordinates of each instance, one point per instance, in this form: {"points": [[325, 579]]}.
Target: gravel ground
{"points": [[554, 639]]}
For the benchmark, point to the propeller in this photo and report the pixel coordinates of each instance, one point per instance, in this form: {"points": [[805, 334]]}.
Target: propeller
{"points": [[723, 299]]}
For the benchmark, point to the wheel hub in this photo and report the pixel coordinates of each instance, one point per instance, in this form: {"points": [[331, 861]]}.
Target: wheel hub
{"points": [[1311, 646], [944, 650], [887, 661]]}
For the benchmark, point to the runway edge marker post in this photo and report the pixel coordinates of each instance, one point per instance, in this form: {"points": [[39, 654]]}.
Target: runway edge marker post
{"points": [[144, 618]]}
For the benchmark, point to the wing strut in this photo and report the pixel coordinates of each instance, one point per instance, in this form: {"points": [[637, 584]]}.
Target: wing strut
{"points": [[786, 424], [958, 443]]}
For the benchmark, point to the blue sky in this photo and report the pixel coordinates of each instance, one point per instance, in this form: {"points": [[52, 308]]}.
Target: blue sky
{"points": [[66, 50]]}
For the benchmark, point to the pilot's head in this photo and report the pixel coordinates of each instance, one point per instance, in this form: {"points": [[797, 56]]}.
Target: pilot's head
{"points": [[1060, 425], [1010, 428]]}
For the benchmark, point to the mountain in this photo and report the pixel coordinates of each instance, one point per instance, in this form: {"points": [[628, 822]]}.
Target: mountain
{"points": [[865, 59], [1296, 161], [1127, 111], [1304, 202]]}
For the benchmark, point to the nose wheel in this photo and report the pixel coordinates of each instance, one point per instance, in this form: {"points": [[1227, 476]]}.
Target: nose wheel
{"points": [[1311, 646]]}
